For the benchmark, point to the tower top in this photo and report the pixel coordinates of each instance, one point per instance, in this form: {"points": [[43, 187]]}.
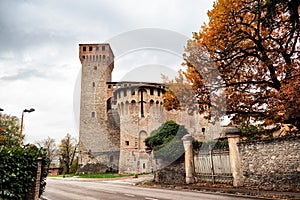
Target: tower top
{"points": [[90, 51]]}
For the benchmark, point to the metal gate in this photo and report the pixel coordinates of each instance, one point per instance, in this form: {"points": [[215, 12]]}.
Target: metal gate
{"points": [[213, 166]]}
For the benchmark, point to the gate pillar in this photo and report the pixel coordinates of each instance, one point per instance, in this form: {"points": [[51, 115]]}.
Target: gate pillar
{"points": [[235, 157], [189, 159]]}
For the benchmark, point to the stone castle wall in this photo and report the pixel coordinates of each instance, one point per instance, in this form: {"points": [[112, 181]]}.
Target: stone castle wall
{"points": [[273, 164]]}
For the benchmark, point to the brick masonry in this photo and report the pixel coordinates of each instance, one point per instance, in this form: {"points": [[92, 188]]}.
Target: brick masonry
{"points": [[273, 164]]}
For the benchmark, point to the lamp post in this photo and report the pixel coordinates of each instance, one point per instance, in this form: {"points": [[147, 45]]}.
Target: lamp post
{"points": [[1, 137], [24, 111]]}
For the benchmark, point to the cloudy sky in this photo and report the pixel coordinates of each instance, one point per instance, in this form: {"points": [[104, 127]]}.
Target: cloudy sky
{"points": [[39, 65]]}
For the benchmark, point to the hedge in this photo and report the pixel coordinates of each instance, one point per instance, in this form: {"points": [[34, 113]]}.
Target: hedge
{"points": [[18, 167]]}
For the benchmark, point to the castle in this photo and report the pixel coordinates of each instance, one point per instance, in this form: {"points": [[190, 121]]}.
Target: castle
{"points": [[116, 117]]}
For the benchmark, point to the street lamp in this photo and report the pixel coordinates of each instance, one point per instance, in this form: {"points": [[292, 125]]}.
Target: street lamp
{"points": [[24, 111]]}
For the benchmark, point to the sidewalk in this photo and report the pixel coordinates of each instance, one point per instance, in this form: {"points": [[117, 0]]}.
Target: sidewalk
{"points": [[225, 189]]}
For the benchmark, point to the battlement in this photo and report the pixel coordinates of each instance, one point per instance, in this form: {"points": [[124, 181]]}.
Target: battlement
{"points": [[95, 52]]}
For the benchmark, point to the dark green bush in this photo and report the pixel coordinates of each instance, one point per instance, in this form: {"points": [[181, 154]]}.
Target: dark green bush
{"points": [[18, 167], [166, 141]]}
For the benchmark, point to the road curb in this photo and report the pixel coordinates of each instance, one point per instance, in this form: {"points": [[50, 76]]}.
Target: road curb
{"points": [[242, 192]]}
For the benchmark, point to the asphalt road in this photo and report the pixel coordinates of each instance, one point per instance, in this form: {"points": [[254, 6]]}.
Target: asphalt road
{"points": [[66, 189]]}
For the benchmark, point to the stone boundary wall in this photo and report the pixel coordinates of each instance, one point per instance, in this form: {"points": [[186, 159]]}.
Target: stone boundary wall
{"points": [[272, 164], [172, 174]]}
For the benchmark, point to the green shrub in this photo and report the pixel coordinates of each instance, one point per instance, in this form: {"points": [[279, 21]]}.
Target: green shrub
{"points": [[166, 141], [18, 169]]}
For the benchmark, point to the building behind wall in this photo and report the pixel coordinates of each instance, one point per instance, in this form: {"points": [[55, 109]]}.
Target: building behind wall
{"points": [[116, 117]]}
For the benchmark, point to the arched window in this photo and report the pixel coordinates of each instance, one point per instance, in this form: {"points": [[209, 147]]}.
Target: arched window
{"points": [[151, 102], [142, 137]]}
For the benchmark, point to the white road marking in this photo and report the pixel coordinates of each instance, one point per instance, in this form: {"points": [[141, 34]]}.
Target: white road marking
{"points": [[108, 191], [130, 195]]}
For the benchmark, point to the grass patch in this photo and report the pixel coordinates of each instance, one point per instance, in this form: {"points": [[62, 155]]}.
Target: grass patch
{"points": [[102, 175]]}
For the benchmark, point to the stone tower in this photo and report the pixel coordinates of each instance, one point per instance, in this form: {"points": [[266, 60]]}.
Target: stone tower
{"points": [[99, 132]]}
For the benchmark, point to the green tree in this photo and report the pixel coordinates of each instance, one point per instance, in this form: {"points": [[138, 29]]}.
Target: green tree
{"points": [[50, 147], [9, 130], [166, 141], [67, 150]]}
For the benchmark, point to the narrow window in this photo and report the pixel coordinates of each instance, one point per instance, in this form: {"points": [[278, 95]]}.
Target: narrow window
{"points": [[93, 114], [151, 91], [103, 57], [95, 67], [83, 57], [93, 84], [90, 48], [158, 92], [144, 166], [127, 143], [103, 48], [203, 130], [97, 48], [83, 48], [142, 103], [125, 93]]}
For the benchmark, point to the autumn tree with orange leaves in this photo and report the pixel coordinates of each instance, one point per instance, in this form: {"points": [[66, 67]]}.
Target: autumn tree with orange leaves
{"points": [[249, 48]]}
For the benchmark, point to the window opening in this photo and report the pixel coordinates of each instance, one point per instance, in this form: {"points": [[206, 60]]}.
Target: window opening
{"points": [[151, 91], [132, 91], [142, 103]]}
